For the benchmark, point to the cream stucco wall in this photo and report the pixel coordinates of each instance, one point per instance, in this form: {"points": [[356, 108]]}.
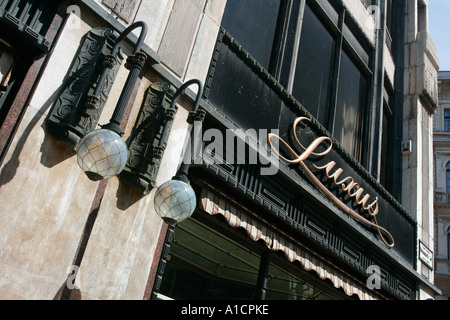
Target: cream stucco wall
{"points": [[46, 199]]}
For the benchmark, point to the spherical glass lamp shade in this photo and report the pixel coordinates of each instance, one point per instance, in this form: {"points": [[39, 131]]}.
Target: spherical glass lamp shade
{"points": [[102, 154], [175, 201]]}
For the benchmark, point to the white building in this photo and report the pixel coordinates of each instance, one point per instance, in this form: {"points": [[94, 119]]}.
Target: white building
{"points": [[442, 186]]}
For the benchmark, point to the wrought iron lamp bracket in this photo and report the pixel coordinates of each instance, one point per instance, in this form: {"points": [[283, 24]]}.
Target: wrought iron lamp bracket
{"points": [[148, 139], [80, 103]]}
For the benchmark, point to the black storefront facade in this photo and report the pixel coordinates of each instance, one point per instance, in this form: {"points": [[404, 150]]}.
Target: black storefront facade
{"points": [[322, 227]]}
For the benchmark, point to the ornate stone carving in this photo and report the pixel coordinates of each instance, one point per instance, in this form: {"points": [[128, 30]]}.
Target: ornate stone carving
{"points": [[76, 111], [145, 151]]}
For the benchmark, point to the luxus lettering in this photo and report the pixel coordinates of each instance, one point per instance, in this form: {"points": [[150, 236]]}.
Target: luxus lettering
{"points": [[347, 185]]}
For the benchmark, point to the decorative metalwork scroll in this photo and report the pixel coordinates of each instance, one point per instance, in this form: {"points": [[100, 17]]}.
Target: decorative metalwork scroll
{"points": [[75, 113], [145, 149]]}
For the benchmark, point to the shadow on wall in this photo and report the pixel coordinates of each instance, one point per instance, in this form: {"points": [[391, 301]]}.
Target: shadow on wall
{"points": [[127, 197], [52, 152]]}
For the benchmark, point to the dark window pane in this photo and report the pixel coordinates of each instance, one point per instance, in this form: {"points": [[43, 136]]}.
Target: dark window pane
{"points": [[356, 45], [448, 243], [350, 106], [206, 265], [447, 120], [448, 177], [312, 82], [330, 11], [386, 151], [283, 285], [253, 25]]}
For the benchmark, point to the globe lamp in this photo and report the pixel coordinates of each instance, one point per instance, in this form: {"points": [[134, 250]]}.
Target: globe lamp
{"points": [[175, 201], [102, 154]]}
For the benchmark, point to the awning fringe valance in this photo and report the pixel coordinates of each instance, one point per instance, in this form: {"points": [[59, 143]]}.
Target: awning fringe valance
{"points": [[214, 203]]}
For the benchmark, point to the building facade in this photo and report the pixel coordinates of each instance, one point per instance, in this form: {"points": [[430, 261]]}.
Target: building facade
{"points": [[310, 134], [441, 154]]}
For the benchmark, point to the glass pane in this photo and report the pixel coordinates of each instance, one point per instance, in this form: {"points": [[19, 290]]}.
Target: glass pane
{"points": [[330, 11], [447, 120], [448, 244], [283, 285], [312, 82], [253, 25], [350, 106], [385, 169], [356, 45], [205, 265], [448, 178]]}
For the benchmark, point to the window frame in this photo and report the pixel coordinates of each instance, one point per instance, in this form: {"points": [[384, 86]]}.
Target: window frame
{"points": [[387, 143], [447, 119], [448, 244], [447, 177], [326, 13]]}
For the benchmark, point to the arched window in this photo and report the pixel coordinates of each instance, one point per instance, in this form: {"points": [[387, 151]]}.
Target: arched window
{"points": [[448, 178]]}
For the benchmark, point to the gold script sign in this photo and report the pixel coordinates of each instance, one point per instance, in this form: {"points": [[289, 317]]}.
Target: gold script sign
{"points": [[347, 185]]}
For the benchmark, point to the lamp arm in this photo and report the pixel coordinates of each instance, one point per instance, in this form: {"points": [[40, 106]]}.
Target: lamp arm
{"points": [[135, 63], [183, 88], [182, 173], [127, 31], [115, 49]]}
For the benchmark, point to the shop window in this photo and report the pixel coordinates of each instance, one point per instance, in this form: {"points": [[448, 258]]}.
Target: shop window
{"points": [[205, 264], [283, 285]]}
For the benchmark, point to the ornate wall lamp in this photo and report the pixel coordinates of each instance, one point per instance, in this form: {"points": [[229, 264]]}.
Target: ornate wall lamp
{"points": [[102, 153], [175, 199], [72, 116], [147, 138]]}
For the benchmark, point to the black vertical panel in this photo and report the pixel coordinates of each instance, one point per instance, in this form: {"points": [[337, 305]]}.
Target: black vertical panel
{"points": [[241, 94]]}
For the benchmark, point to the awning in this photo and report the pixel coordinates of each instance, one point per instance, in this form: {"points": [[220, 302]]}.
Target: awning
{"points": [[213, 202]]}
